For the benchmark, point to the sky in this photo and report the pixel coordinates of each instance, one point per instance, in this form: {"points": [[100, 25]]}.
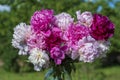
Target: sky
{"points": [[111, 4], [4, 8]]}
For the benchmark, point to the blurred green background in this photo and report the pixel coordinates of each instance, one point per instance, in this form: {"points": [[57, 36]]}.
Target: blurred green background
{"points": [[14, 67]]}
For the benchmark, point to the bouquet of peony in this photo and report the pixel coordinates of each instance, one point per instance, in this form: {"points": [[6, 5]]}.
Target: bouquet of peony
{"points": [[58, 41]]}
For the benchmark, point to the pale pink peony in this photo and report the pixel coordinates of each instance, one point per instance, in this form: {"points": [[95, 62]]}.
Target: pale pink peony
{"points": [[36, 41], [63, 20], [85, 18], [103, 48], [90, 49], [21, 33]]}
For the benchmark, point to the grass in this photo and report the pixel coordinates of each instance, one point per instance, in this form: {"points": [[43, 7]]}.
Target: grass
{"points": [[21, 76], [111, 73]]}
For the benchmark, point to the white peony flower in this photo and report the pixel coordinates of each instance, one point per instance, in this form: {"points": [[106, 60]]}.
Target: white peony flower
{"points": [[39, 58], [63, 20], [21, 33]]}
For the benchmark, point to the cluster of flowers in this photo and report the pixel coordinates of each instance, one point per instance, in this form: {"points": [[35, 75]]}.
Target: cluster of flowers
{"points": [[52, 37]]}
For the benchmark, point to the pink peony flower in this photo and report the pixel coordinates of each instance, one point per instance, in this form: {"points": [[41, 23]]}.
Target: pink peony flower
{"points": [[85, 18], [57, 54], [63, 20], [72, 36], [75, 33], [41, 20], [36, 41], [47, 40], [102, 28]]}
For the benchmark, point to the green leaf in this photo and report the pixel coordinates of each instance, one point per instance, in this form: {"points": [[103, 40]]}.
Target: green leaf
{"points": [[67, 75], [48, 74]]}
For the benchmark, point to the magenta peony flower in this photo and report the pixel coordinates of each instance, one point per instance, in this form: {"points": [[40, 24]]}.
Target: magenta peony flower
{"points": [[75, 33], [57, 54], [102, 28], [41, 19], [47, 40], [55, 39], [85, 18]]}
